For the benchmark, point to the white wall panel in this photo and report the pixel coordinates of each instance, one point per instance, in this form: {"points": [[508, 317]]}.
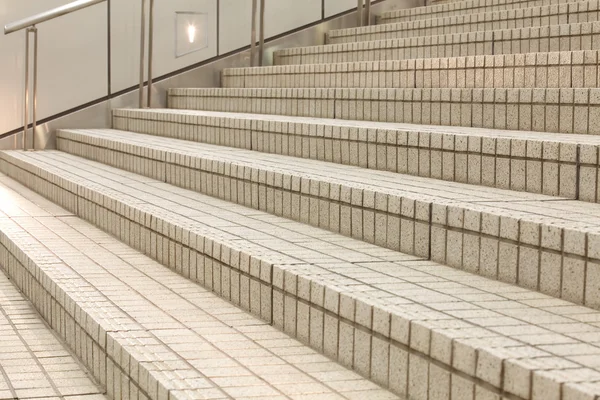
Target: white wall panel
{"points": [[73, 49], [284, 15], [333, 7], [235, 25], [280, 16], [72, 60], [126, 38]]}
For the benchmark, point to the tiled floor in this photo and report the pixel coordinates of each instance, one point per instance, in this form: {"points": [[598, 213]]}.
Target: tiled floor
{"points": [[34, 363]]}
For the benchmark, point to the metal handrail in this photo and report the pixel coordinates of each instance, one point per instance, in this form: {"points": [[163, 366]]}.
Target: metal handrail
{"points": [[29, 24], [48, 15]]}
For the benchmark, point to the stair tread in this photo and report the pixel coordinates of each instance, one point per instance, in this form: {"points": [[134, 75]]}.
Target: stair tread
{"points": [[525, 70], [557, 211], [539, 38], [526, 109], [216, 349], [462, 6], [566, 9], [387, 126], [531, 331], [35, 363]]}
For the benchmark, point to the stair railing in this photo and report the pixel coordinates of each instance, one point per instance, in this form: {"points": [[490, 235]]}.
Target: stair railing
{"points": [[29, 24]]}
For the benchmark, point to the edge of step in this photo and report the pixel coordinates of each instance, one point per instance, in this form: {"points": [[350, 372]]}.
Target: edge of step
{"points": [[560, 110], [569, 69], [36, 362], [456, 6]]}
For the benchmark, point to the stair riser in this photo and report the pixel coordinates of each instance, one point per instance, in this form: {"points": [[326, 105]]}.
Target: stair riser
{"points": [[574, 37], [540, 110], [544, 70], [381, 349], [96, 347], [521, 164], [459, 8], [540, 257], [567, 13]]}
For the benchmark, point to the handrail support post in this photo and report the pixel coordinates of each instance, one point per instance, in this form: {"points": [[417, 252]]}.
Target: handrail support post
{"points": [[35, 84], [27, 104], [26, 93], [359, 13], [142, 52], [261, 43], [253, 33], [150, 50]]}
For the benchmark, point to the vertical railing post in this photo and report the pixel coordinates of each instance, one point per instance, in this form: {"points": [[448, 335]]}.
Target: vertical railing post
{"points": [[35, 85], [27, 104], [26, 99], [359, 13], [261, 45], [368, 12], [150, 51], [142, 52], [253, 33]]}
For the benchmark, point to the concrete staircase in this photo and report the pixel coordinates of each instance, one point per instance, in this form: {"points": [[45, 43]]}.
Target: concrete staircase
{"points": [[410, 211]]}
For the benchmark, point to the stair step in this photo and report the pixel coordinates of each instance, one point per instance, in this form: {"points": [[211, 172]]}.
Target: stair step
{"points": [[568, 37], [459, 8], [35, 363], [154, 333], [551, 164], [413, 324], [539, 242], [539, 110], [434, 2], [569, 69], [557, 14]]}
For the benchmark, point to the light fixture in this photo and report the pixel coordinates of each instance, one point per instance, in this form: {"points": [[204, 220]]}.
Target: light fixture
{"points": [[191, 31]]}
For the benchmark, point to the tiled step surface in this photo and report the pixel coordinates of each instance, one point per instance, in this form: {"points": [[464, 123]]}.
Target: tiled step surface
{"points": [[34, 363], [568, 37], [153, 333], [569, 69], [539, 110], [555, 164], [539, 242], [459, 8], [435, 2], [425, 330], [558, 14]]}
